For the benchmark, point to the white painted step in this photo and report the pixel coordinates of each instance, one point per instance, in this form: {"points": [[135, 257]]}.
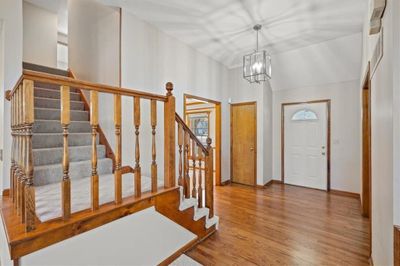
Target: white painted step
{"points": [[184, 260], [199, 213], [143, 238]]}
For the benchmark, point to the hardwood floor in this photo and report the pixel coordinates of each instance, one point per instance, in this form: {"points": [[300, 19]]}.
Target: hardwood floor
{"points": [[285, 225]]}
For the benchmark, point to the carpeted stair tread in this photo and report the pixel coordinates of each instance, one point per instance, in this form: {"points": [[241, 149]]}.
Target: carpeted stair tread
{"points": [[55, 103], [55, 94], [52, 140], [54, 126], [47, 174], [48, 156], [55, 114]]}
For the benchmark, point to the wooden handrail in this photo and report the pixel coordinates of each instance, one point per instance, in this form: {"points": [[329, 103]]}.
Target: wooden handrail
{"points": [[67, 81], [180, 121]]}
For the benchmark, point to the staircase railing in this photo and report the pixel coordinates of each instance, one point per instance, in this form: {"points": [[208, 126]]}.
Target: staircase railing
{"points": [[22, 190], [192, 154]]}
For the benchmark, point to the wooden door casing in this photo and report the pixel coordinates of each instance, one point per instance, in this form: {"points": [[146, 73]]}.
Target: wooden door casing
{"points": [[244, 143]]}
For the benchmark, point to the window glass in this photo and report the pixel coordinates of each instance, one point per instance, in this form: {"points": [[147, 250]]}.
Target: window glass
{"points": [[304, 115]]}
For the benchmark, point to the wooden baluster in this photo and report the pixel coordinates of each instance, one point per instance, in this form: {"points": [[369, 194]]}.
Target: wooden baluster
{"points": [[209, 179], [200, 187], [94, 122], [23, 175], [153, 146], [66, 182], [17, 148], [12, 168], [194, 150], [138, 175], [23, 153], [20, 152], [186, 166], [180, 144], [169, 138], [118, 151], [30, 208]]}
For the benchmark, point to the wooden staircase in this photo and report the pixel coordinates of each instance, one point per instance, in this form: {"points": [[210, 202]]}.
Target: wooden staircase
{"points": [[186, 198]]}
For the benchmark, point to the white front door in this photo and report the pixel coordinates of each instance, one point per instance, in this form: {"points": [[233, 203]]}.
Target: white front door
{"points": [[305, 145]]}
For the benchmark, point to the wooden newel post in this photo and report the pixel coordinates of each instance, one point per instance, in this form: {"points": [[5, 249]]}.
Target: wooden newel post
{"points": [[94, 122], [209, 178], [66, 182], [169, 138], [29, 119]]}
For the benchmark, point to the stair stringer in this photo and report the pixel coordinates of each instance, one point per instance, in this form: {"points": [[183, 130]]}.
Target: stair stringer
{"points": [[199, 213], [183, 212]]}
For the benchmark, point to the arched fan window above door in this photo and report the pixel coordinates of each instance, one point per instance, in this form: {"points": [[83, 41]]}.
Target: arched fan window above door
{"points": [[304, 115]]}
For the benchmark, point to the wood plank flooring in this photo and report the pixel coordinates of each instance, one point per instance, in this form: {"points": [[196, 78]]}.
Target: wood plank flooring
{"points": [[285, 225]]}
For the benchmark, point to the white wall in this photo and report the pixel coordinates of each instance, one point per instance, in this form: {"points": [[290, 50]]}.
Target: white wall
{"points": [[11, 14], [150, 58], [328, 62], [268, 132], [384, 110], [93, 52], [345, 130], [39, 35], [328, 70]]}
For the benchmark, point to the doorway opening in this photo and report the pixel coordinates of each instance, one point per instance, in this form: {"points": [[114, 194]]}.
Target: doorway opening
{"points": [[244, 143], [305, 144], [203, 116]]}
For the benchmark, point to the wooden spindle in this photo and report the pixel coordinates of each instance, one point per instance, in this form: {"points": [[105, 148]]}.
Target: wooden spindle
{"points": [[17, 148], [180, 144], [186, 166], [138, 174], [29, 119], [118, 151], [23, 155], [169, 138], [66, 182], [94, 122], [12, 168], [209, 179], [153, 146], [200, 186], [20, 151], [194, 150]]}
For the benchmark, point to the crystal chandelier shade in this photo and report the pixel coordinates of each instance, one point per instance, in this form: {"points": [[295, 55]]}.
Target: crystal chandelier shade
{"points": [[257, 65]]}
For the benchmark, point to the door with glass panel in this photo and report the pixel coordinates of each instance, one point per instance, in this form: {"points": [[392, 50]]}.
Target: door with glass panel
{"points": [[305, 145]]}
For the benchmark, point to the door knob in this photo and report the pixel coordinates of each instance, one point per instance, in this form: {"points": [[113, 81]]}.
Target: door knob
{"points": [[252, 149]]}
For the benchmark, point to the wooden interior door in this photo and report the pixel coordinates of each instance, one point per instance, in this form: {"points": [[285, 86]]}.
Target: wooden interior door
{"points": [[244, 143]]}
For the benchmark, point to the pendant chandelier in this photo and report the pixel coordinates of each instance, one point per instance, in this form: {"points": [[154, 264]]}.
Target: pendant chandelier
{"points": [[257, 65]]}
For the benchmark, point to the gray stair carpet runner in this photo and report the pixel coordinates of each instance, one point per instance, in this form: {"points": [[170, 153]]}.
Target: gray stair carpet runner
{"points": [[47, 138]]}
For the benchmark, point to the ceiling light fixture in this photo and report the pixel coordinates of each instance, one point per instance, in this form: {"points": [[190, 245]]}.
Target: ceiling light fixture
{"points": [[257, 65]]}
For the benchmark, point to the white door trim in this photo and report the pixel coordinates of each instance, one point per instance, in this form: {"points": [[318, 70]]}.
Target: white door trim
{"points": [[328, 150]]}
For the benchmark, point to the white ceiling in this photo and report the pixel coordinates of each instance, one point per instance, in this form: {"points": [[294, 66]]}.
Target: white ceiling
{"points": [[222, 29]]}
